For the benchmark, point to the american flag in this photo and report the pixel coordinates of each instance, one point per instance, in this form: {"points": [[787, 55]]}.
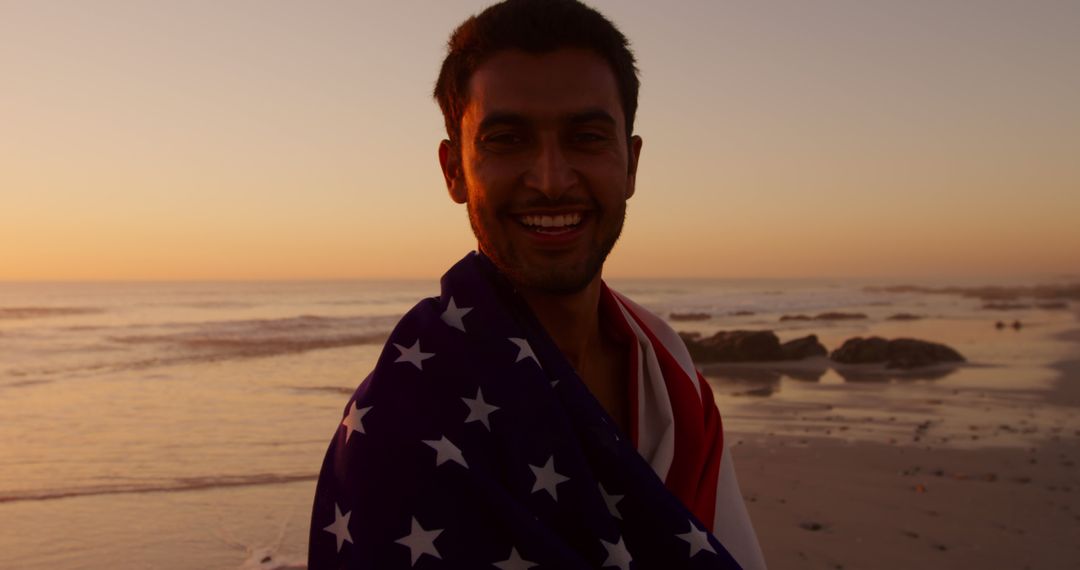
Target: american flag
{"points": [[474, 444]]}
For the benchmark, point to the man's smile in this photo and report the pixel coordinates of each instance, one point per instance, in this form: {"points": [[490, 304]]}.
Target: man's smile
{"points": [[551, 223], [554, 230]]}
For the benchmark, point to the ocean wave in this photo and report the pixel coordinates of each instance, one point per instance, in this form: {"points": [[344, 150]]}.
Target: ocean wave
{"points": [[215, 305], [332, 389], [174, 485], [262, 337], [25, 383], [256, 345], [42, 312], [167, 344], [223, 350]]}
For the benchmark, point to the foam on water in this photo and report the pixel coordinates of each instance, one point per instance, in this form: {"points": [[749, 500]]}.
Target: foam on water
{"points": [[45, 312], [45, 353], [173, 485]]}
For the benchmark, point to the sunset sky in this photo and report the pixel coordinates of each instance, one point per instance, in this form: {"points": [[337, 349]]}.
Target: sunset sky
{"points": [[295, 140]]}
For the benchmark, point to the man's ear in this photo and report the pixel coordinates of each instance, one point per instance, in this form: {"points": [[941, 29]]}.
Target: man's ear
{"points": [[635, 154], [450, 162]]}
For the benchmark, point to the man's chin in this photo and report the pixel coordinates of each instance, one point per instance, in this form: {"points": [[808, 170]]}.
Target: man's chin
{"points": [[555, 280], [558, 285]]}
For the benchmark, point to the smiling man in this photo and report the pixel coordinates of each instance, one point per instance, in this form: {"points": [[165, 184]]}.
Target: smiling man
{"points": [[545, 164], [531, 417]]}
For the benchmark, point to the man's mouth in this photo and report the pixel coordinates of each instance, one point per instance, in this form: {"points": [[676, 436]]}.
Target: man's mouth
{"points": [[551, 224]]}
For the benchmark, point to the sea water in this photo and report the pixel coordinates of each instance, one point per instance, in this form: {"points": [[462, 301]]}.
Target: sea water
{"points": [[181, 425]]}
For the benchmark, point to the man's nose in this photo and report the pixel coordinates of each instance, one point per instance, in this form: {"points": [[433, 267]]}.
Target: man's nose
{"points": [[550, 172]]}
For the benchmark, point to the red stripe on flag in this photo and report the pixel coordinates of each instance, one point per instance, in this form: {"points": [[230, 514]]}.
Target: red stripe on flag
{"points": [[699, 436]]}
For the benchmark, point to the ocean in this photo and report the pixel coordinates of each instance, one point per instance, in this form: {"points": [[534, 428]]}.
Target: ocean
{"points": [[181, 425]]}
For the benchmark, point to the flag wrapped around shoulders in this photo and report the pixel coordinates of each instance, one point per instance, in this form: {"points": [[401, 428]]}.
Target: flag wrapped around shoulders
{"points": [[474, 444]]}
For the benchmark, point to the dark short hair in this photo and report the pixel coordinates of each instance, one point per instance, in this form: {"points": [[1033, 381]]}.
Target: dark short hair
{"points": [[532, 26]]}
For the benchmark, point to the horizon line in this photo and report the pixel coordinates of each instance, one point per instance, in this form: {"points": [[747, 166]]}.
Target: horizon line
{"points": [[899, 280]]}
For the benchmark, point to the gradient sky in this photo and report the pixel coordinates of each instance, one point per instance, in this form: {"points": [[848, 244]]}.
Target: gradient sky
{"points": [[291, 140]]}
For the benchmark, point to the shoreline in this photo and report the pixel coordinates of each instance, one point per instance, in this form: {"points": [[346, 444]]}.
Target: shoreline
{"points": [[819, 501], [1066, 391]]}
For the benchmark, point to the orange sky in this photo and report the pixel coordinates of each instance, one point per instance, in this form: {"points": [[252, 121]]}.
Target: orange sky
{"points": [[252, 140]]}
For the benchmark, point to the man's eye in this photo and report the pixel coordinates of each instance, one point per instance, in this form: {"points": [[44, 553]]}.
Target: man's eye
{"points": [[587, 137], [503, 139]]}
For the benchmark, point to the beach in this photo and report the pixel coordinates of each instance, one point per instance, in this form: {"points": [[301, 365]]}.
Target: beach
{"points": [[180, 426], [921, 494], [827, 504]]}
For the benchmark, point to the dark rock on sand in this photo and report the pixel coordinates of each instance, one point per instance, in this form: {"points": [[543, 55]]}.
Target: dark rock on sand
{"points": [[903, 317], [751, 346], [896, 353], [741, 313], [736, 346], [690, 316], [804, 347]]}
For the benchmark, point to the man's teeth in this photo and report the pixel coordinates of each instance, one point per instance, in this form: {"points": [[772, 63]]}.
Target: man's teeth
{"points": [[552, 221]]}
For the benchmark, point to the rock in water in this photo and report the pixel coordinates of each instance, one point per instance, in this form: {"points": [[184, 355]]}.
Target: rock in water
{"points": [[796, 318], [895, 353], [805, 347], [839, 316], [903, 317], [736, 346], [750, 346], [690, 316], [1004, 306], [824, 317]]}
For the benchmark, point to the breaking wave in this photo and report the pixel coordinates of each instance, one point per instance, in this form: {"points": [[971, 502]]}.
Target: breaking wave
{"points": [[178, 484], [167, 344], [262, 337], [41, 312]]}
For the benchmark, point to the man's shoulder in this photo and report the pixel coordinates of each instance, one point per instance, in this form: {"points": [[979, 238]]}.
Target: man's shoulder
{"points": [[419, 343], [439, 352], [658, 329]]}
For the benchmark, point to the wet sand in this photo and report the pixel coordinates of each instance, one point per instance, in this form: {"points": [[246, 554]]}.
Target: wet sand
{"points": [[827, 504], [1006, 495]]}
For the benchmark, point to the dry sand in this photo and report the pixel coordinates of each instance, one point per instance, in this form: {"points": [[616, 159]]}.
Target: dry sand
{"points": [[820, 502]]}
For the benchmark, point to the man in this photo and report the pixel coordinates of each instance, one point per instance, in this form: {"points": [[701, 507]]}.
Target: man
{"points": [[530, 417]]}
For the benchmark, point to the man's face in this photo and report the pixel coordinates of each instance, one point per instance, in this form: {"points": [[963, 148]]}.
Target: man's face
{"points": [[544, 166]]}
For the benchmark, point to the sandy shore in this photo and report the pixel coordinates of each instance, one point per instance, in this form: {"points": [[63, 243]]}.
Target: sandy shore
{"points": [[826, 504], [921, 501]]}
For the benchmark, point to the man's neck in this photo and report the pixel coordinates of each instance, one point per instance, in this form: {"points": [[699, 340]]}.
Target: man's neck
{"points": [[571, 320]]}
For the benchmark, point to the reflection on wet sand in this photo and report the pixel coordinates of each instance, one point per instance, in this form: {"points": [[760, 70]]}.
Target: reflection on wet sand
{"points": [[764, 378], [874, 373]]}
